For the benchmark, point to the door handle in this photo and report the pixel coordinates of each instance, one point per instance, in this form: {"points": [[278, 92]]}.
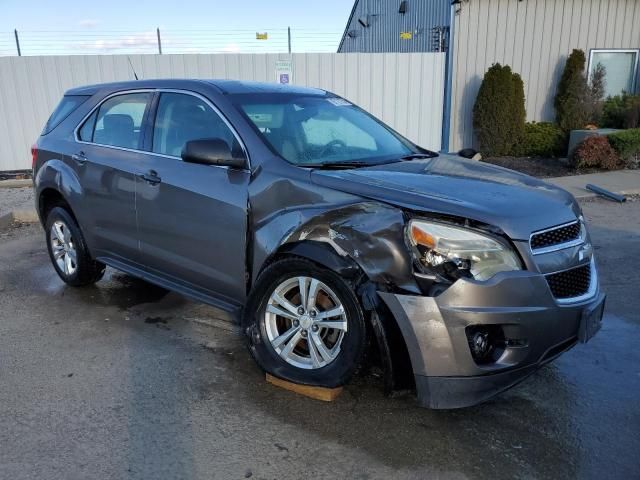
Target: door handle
{"points": [[151, 177], [80, 158]]}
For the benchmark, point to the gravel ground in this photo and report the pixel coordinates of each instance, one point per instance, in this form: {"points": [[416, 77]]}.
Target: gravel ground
{"points": [[15, 199], [123, 380]]}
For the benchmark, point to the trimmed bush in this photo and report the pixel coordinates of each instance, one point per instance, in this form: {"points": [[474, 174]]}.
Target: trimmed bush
{"points": [[573, 96], [627, 146], [632, 113], [499, 112], [613, 111], [519, 112], [540, 139], [621, 111], [596, 152]]}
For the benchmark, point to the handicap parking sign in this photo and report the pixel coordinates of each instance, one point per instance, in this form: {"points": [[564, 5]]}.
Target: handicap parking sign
{"points": [[284, 72]]}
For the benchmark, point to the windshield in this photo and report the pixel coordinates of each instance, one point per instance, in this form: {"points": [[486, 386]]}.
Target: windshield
{"points": [[317, 130]]}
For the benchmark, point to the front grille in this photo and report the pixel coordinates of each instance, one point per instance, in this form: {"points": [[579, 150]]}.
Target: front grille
{"points": [[570, 283], [555, 236]]}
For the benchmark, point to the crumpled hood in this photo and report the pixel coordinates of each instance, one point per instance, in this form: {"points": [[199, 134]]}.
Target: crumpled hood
{"points": [[516, 203]]}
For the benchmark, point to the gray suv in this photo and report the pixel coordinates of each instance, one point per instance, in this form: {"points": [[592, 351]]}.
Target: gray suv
{"points": [[331, 237]]}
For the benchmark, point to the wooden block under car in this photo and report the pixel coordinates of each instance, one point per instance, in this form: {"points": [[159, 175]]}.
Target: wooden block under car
{"points": [[317, 393]]}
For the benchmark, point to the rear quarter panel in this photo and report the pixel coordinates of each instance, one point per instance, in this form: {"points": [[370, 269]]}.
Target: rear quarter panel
{"points": [[54, 170]]}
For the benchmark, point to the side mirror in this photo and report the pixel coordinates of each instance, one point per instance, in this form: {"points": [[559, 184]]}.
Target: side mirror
{"points": [[470, 153], [211, 151]]}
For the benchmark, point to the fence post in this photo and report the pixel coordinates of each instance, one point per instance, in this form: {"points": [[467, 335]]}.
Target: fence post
{"points": [[159, 42], [289, 38], [15, 33]]}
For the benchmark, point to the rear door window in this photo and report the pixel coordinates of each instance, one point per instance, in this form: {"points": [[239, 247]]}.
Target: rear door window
{"points": [[117, 122], [67, 105]]}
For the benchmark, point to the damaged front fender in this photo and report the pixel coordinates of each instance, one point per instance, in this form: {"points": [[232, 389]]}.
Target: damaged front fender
{"points": [[370, 234]]}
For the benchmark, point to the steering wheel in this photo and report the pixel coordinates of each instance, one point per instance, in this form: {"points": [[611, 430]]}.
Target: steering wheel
{"points": [[331, 145]]}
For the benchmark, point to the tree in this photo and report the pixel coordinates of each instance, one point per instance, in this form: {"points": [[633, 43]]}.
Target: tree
{"points": [[596, 93], [572, 98], [499, 111]]}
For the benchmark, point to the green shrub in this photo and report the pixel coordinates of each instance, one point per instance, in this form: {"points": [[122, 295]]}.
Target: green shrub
{"points": [[627, 145], [621, 111], [596, 152], [632, 114], [519, 112], [499, 112], [613, 111], [573, 96], [540, 139]]}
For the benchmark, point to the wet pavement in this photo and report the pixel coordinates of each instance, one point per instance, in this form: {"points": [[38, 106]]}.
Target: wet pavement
{"points": [[126, 380]]}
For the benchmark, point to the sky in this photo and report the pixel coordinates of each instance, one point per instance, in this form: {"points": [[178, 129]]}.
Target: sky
{"points": [[197, 26]]}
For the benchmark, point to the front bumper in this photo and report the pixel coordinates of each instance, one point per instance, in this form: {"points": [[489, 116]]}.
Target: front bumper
{"points": [[536, 326]]}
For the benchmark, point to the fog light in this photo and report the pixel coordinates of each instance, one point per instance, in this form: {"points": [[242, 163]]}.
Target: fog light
{"points": [[486, 342], [480, 344]]}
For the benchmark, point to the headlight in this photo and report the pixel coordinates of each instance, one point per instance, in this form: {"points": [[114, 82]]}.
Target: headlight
{"points": [[456, 252]]}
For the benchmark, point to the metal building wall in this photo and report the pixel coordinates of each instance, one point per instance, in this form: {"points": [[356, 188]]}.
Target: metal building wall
{"points": [[404, 90], [534, 37], [383, 34]]}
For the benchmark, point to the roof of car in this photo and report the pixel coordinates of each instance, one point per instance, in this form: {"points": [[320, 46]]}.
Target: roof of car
{"points": [[238, 86], [225, 86]]}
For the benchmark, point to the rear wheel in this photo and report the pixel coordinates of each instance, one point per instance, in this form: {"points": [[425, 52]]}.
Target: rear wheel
{"points": [[68, 251], [305, 324]]}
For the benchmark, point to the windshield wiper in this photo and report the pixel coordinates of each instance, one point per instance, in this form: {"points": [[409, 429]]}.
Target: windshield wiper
{"points": [[413, 156], [345, 164]]}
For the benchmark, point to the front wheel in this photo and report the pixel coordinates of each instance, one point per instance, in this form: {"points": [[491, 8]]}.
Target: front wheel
{"points": [[305, 324]]}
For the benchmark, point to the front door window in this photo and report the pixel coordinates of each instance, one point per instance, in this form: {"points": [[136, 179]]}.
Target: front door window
{"points": [[181, 118]]}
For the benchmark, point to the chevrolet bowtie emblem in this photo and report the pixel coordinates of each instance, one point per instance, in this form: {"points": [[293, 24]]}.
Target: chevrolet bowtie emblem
{"points": [[585, 251]]}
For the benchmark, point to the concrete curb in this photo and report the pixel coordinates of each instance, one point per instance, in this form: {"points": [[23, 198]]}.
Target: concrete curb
{"points": [[6, 219], [21, 216], [589, 194], [25, 216], [27, 182]]}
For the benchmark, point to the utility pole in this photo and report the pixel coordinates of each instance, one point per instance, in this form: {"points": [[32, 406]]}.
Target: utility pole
{"points": [[159, 42], [15, 33], [289, 37]]}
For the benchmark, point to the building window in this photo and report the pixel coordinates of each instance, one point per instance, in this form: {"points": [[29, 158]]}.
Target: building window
{"points": [[621, 68]]}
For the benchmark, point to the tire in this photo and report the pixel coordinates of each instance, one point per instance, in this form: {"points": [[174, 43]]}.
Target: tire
{"points": [[342, 335], [68, 251]]}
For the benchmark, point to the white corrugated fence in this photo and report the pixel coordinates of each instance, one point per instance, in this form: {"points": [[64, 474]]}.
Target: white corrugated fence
{"points": [[405, 90]]}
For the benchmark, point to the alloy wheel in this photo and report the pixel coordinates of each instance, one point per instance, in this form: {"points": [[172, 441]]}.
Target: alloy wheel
{"points": [[63, 248], [305, 322]]}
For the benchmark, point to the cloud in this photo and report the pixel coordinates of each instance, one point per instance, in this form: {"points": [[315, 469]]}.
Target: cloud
{"points": [[185, 45], [231, 48], [88, 23], [145, 39]]}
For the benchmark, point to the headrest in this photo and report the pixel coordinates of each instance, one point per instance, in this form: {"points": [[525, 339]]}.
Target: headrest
{"points": [[189, 112], [114, 121]]}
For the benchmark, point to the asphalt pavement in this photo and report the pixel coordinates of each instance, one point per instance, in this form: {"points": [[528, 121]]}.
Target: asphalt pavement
{"points": [[127, 381]]}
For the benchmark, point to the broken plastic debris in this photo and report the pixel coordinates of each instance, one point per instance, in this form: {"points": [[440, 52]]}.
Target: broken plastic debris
{"points": [[606, 193]]}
